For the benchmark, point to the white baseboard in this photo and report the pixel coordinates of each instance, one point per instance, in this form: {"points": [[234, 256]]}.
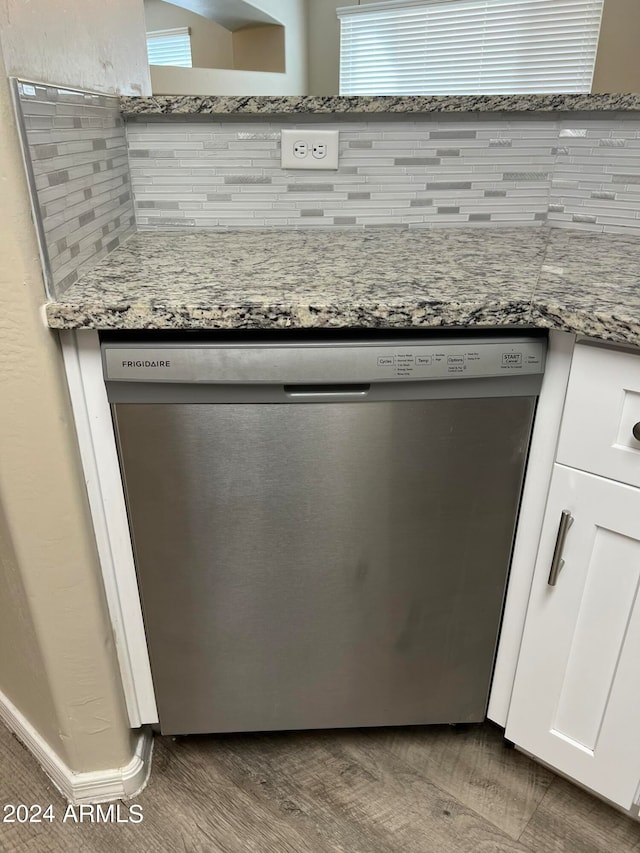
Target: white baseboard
{"points": [[97, 786]]}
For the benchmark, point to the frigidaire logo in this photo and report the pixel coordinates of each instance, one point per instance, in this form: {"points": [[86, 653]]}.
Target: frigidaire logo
{"points": [[141, 363]]}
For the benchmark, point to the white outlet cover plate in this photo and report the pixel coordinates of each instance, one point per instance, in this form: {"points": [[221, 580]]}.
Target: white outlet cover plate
{"points": [[328, 138]]}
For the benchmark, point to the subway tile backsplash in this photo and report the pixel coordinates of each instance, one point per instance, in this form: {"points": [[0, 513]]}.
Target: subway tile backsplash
{"points": [[393, 171], [76, 154]]}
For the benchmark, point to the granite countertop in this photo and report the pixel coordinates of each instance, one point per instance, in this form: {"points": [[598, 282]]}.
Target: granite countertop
{"points": [[578, 281], [190, 105]]}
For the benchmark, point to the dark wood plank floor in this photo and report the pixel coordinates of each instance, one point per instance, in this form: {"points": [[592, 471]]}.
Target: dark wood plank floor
{"points": [[414, 790]]}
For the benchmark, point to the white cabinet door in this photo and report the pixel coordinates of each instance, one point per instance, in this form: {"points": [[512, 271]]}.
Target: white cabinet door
{"points": [[576, 697]]}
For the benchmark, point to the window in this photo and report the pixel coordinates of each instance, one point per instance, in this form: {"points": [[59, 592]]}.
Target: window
{"points": [[438, 47], [169, 47]]}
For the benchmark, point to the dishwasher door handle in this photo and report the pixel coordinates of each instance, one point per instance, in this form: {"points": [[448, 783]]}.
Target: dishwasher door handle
{"points": [[343, 390]]}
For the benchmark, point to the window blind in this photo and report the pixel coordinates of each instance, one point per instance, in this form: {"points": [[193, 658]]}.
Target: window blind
{"points": [[437, 47], [169, 47]]}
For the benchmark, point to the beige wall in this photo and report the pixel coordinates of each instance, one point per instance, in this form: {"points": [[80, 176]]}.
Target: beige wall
{"points": [[292, 14], [617, 63], [58, 663], [259, 48], [23, 676], [168, 80], [324, 47], [211, 44], [618, 58], [93, 44]]}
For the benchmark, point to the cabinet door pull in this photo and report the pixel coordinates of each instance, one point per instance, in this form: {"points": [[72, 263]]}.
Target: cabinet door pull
{"points": [[636, 431], [566, 520]]}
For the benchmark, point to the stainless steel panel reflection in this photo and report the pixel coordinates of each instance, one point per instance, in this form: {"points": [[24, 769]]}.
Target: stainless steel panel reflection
{"points": [[321, 565]]}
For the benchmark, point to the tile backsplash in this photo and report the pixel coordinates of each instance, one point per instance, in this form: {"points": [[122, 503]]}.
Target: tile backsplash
{"points": [[473, 169], [596, 181], [77, 161], [89, 172]]}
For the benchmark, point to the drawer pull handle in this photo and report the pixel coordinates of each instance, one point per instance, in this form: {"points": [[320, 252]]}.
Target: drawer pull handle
{"points": [[566, 520], [636, 431]]}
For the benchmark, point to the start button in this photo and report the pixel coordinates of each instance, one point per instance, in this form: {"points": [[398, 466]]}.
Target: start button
{"points": [[512, 359]]}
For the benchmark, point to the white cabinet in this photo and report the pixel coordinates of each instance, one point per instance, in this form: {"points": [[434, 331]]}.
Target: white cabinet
{"points": [[577, 691], [602, 411], [576, 696]]}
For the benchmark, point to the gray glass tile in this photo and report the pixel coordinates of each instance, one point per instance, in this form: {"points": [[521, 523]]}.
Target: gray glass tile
{"points": [[247, 179], [44, 152], [453, 134], [526, 176], [310, 188], [67, 281], [417, 161], [55, 178], [625, 179], [449, 185]]}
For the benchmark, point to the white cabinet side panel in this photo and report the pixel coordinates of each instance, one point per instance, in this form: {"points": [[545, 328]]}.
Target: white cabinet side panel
{"points": [[92, 415], [534, 497]]}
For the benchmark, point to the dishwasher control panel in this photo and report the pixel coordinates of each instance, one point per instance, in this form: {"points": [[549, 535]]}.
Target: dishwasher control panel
{"points": [[472, 360], [318, 361]]}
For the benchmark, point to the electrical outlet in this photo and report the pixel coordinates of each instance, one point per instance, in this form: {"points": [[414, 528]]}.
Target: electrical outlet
{"points": [[300, 149], [309, 149]]}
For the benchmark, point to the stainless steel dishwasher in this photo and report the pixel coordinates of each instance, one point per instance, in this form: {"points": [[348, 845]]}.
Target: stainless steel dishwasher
{"points": [[322, 525]]}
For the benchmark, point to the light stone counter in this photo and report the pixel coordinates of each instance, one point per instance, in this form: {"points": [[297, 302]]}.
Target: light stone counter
{"points": [[166, 106], [381, 277]]}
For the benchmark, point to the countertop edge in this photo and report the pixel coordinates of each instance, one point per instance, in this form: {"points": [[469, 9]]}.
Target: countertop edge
{"points": [[562, 281], [418, 315], [191, 105]]}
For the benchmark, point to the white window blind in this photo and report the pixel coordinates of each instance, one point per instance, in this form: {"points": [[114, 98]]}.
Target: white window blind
{"points": [[169, 47], [437, 47]]}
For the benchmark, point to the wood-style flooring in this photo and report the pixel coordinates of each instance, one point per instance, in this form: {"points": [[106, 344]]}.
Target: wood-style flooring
{"points": [[414, 790]]}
